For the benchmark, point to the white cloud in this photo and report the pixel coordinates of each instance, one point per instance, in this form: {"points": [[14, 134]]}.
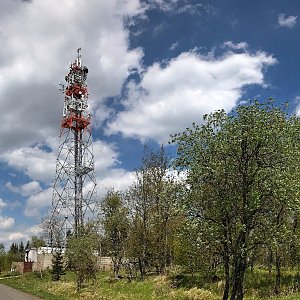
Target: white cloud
{"points": [[34, 57], [26, 189], [17, 234], [174, 46], [106, 156], [165, 5], [34, 230], [106, 172], [193, 9], [235, 46], [297, 109], [119, 179], [177, 7], [37, 203], [288, 22], [33, 161], [30, 188], [6, 222], [170, 97], [3, 204], [12, 188]]}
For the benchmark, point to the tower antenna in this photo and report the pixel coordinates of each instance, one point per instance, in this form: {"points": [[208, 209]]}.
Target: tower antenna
{"points": [[74, 189]]}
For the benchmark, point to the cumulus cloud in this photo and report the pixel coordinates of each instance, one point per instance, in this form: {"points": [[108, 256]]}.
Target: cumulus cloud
{"points": [[235, 46], [38, 39], [3, 204], [171, 96], [119, 179], [26, 189], [18, 234], [34, 57], [106, 156], [33, 161], [6, 222], [297, 109], [288, 22], [37, 203]]}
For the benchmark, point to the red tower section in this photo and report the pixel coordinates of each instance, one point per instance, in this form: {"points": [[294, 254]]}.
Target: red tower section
{"points": [[76, 116]]}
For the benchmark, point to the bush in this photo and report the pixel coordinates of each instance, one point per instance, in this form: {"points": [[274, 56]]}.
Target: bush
{"points": [[57, 266]]}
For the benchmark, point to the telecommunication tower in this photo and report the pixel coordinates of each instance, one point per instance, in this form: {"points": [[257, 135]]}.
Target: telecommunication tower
{"points": [[73, 200]]}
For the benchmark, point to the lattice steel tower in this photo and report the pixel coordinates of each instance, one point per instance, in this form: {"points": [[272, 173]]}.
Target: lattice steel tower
{"points": [[73, 201]]}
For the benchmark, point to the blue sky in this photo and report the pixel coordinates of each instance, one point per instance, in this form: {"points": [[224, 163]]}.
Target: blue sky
{"points": [[154, 68]]}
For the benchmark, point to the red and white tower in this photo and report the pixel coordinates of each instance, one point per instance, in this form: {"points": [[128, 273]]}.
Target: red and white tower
{"points": [[73, 201]]}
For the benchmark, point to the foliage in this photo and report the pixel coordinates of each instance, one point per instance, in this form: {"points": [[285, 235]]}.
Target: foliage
{"points": [[16, 252], [241, 170], [189, 254], [153, 214], [57, 266], [3, 258], [81, 255], [115, 224], [36, 242]]}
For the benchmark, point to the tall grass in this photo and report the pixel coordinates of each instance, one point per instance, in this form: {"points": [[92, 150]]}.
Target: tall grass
{"points": [[259, 285]]}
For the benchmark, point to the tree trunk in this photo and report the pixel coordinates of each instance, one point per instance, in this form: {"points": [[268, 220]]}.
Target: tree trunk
{"points": [[116, 265], [227, 275], [270, 261], [141, 267], [239, 270], [278, 274], [116, 271], [226, 258], [79, 281]]}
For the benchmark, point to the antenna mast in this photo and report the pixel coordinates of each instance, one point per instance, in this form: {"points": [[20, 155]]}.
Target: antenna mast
{"points": [[73, 200]]}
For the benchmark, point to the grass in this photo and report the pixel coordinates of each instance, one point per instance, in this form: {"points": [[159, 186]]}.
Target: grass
{"points": [[33, 284], [104, 288], [259, 285]]}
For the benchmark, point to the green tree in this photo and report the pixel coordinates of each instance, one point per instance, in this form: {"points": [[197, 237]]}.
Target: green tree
{"points": [[153, 215], [21, 251], [81, 255], [282, 245], [2, 249], [115, 223], [27, 245], [57, 266], [239, 167], [37, 242], [3, 258], [189, 254], [13, 254]]}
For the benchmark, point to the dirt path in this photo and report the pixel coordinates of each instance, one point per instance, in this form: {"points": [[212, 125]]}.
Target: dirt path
{"points": [[8, 293]]}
